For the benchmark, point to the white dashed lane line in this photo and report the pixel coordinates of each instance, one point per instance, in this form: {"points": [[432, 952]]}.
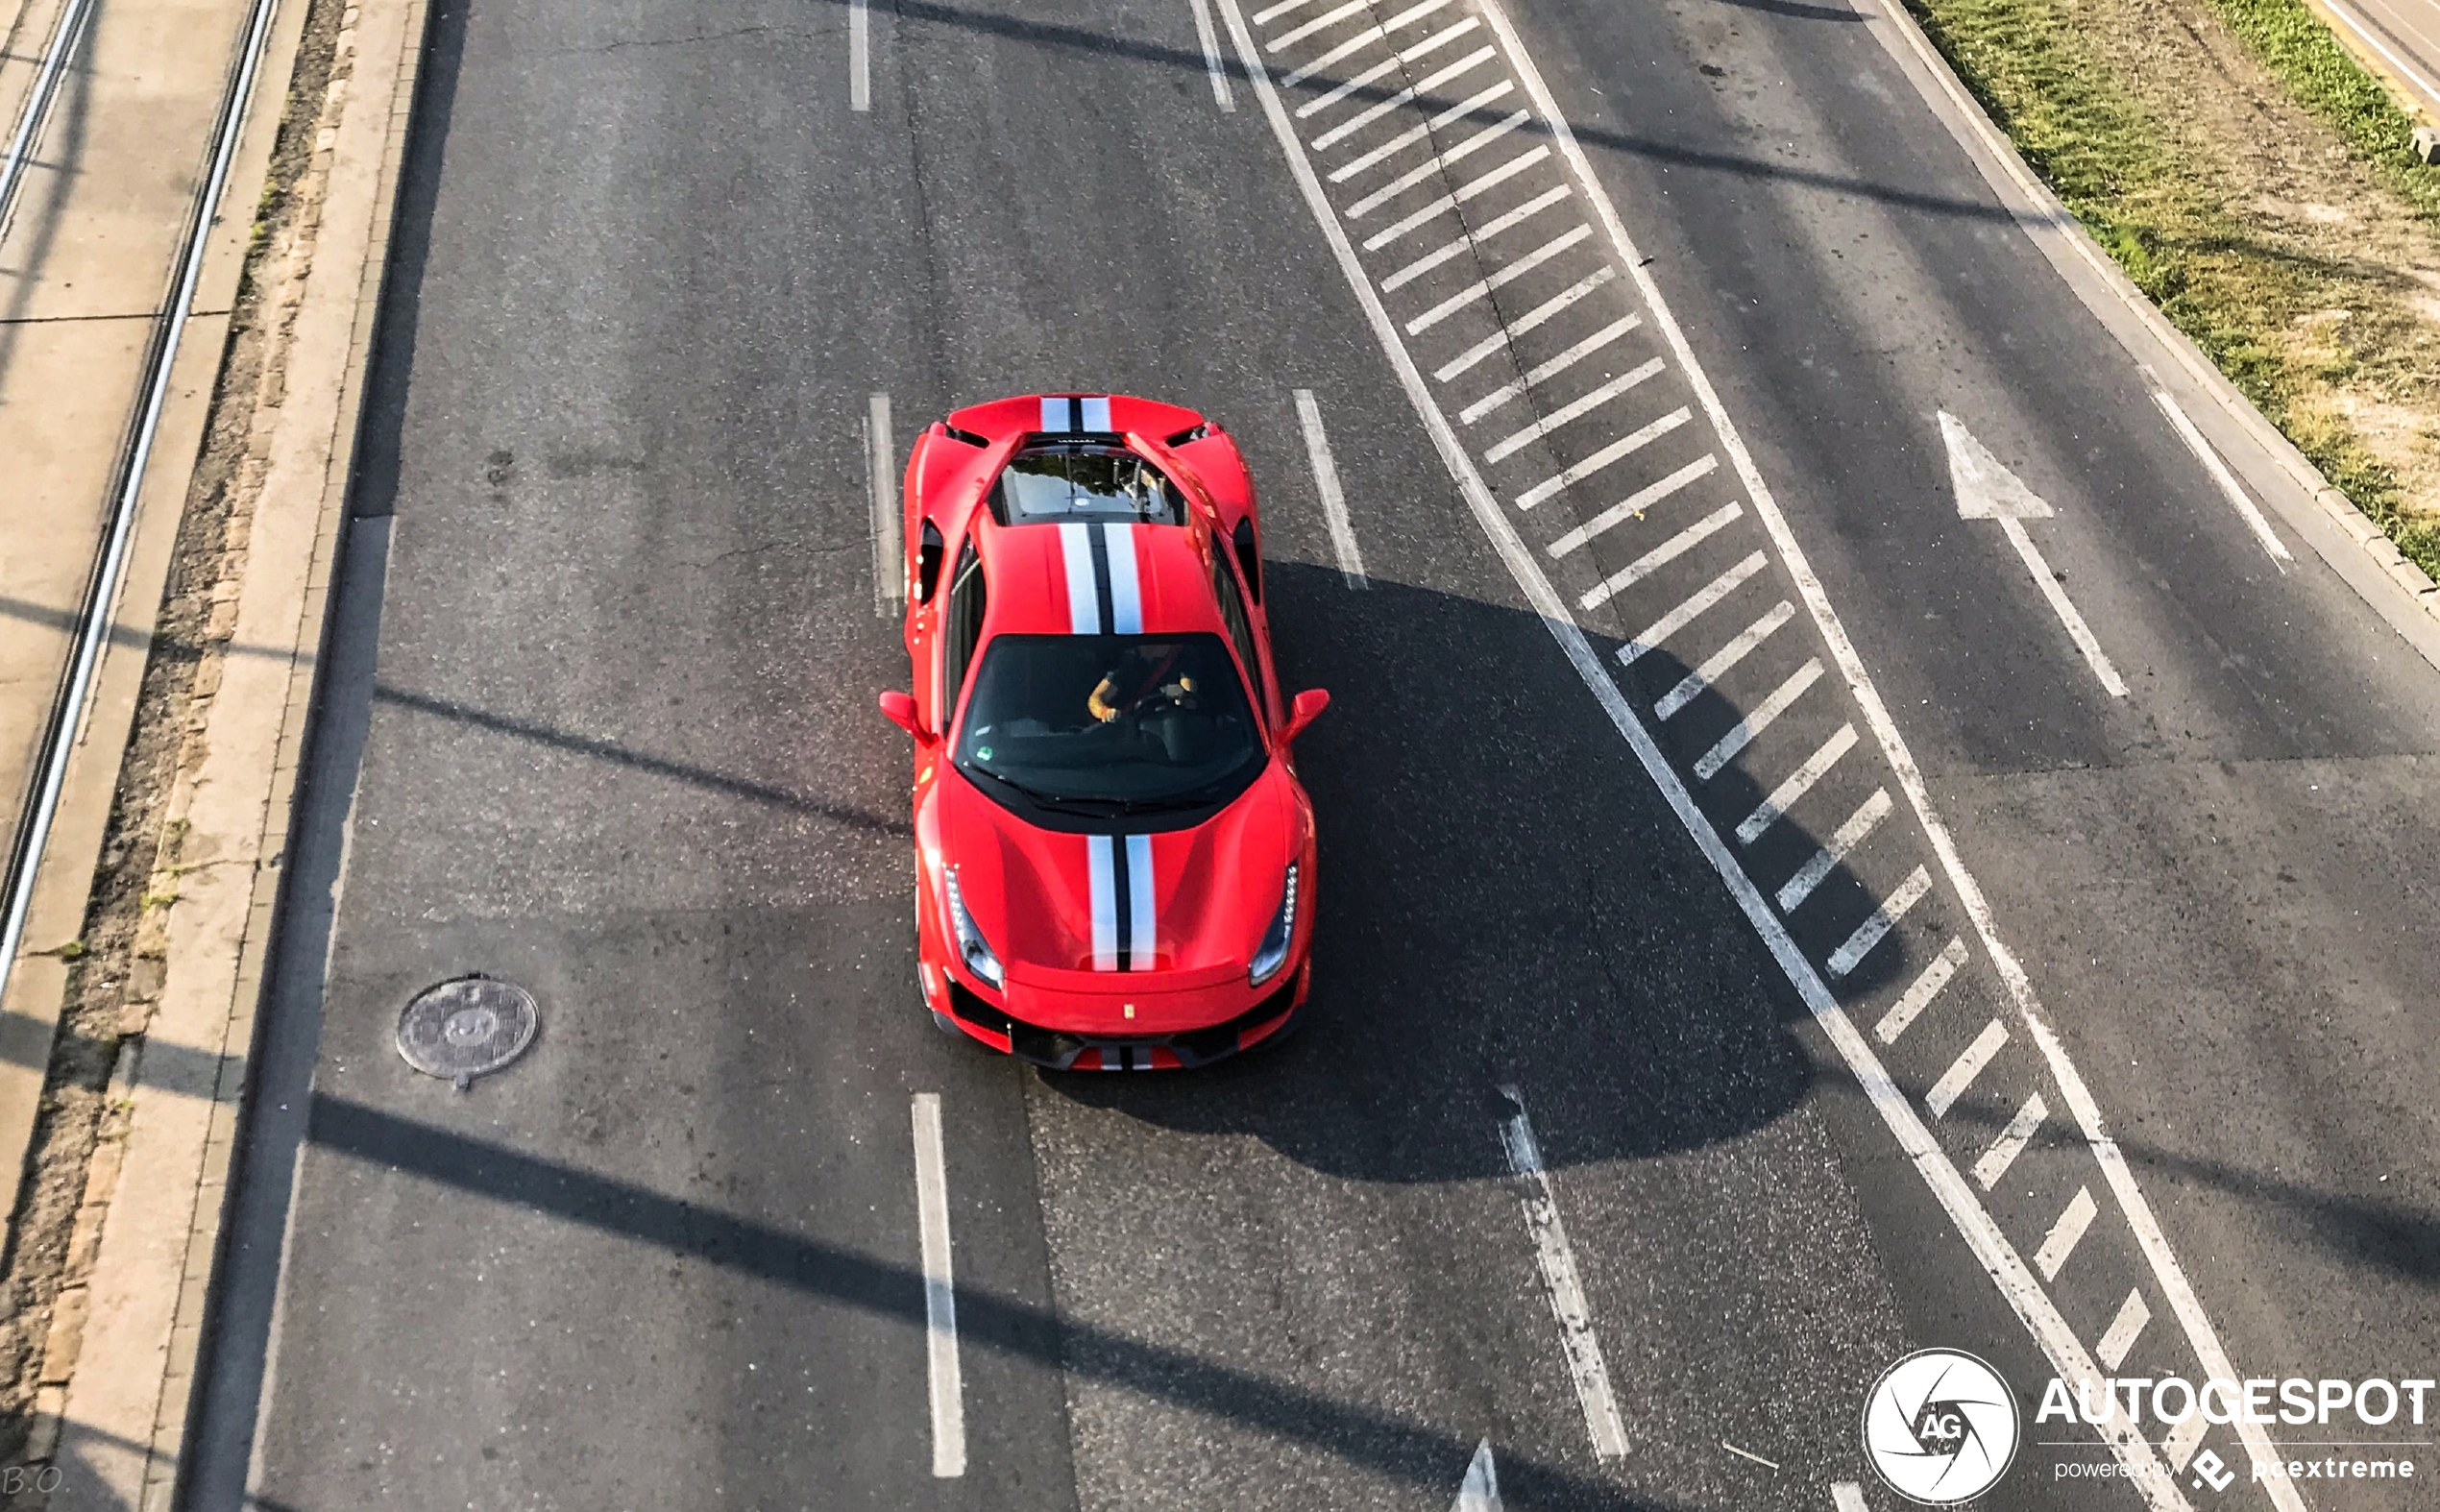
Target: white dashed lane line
{"points": [[881, 485], [1317, 452], [940, 1292], [1221, 94], [1577, 1342], [1622, 472]]}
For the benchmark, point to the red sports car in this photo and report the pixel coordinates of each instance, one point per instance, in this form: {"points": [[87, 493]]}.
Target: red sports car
{"points": [[1113, 857]]}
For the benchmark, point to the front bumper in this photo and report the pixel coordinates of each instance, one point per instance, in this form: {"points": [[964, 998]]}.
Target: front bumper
{"points": [[1062, 1050]]}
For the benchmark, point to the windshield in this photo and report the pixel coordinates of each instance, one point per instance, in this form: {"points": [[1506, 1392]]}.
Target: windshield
{"points": [[1083, 481], [1105, 726]]}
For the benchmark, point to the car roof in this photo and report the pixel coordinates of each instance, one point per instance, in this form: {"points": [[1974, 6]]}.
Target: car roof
{"points": [[1096, 578]]}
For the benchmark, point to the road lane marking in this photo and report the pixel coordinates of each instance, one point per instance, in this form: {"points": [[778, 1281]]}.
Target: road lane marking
{"points": [[1499, 340], [1847, 957], [881, 492], [1417, 175], [1328, 18], [1479, 1491], [1345, 87], [1999, 1258], [2183, 1439], [1986, 490], [1473, 240], [1481, 184], [1421, 130], [1577, 1339], [940, 1295], [1797, 784], [1380, 108], [1485, 287], [1846, 837], [1717, 664], [1423, 49], [1963, 1070], [1919, 996], [2124, 1330], [1517, 441], [1657, 558], [1632, 507], [1742, 733], [1652, 636], [2067, 1234], [2077, 630], [1543, 372], [2230, 488], [2011, 1143], [1845, 1495], [858, 55], [1363, 39], [1271, 14], [1317, 450], [1221, 96], [1624, 446]]}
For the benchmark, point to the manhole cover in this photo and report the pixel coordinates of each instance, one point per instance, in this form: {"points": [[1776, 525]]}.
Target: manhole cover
{"points": [[468, 1028]]}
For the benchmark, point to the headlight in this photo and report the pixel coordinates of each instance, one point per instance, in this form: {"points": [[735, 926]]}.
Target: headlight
{"points": [[1273, 953], [971, 948]]}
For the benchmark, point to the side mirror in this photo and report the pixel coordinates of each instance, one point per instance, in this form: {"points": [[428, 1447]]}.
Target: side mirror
{"points": [[900, 708], [1303, 709]]}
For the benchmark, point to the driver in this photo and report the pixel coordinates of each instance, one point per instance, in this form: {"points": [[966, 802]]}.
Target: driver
{"points": [[1139, 676]]}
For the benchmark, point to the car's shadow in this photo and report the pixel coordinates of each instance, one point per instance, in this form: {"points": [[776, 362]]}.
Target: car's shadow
{"points": [[1505, 896]]}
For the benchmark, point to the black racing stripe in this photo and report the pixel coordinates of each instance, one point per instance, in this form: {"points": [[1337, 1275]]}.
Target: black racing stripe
{"points": [[1123, 904], [1101, 577], [1075, 415]]}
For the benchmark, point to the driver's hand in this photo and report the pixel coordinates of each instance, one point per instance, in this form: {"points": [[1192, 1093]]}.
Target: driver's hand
{"points": [[1099, 705]]}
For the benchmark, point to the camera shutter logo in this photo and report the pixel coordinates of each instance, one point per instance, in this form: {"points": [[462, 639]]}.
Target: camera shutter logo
{"points": [[1940, 1426]]}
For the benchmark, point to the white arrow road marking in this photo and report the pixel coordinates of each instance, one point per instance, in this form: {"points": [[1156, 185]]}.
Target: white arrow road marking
{"points": [[1585, 1365], [2220, 474], [940, 1295], [1986, 490], [1480, 1490], [881, 480]]}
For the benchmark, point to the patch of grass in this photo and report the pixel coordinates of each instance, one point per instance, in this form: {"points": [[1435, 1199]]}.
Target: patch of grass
{"points": [[2166, 219]]}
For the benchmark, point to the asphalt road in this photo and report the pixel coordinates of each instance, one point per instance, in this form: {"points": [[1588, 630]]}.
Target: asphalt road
{"points": [[599, 719]]}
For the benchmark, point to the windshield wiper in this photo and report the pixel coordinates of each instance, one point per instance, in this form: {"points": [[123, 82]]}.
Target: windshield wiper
{"points": [[1048, 800]]}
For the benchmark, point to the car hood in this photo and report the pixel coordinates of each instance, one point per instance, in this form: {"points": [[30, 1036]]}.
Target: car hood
{"points": [[1052, 904]]}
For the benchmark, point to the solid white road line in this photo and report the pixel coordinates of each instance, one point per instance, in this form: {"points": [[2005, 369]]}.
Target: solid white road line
{"points": [[1211, 63], [1500, 340], [2183, 1439], [858, 55], [1380, 108], [1327, 18], [1510, 445], [940, 1296], [1652, 635], [1846, 837], [1542, 372], [1485, 287], [1442, 206], [1919, 996], [1845, 1495], [1742, 733], [881, 492], [1963, 1070], [2011, 1143], [1847, 957], [2133, 1453], [1417, 175], [2230, 488], [2124, 1330], [1632, 507], [1795, 785], [1623, 446], [2067, 1234], [1473, 240], [1999, 1258], [1317, 449], [1421, 130], [2048, 582], [1659, 556], [1576, 1340], [1717, 664]]}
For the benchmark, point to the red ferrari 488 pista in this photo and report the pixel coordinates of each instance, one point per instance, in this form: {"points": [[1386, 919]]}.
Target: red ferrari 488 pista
{"points": [[1113, 857]]}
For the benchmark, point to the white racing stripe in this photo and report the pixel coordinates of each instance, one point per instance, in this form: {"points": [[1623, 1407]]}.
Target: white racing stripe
{"points": [[1990, 1247], [1126, 591], [940, 1292], [1143, 935], [1577, 1341], [1076, 558], [1101, 870]]}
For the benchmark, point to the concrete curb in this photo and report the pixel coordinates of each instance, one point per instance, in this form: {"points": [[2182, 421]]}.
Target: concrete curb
{"points": [[126, 1407], [2376, 564]]}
